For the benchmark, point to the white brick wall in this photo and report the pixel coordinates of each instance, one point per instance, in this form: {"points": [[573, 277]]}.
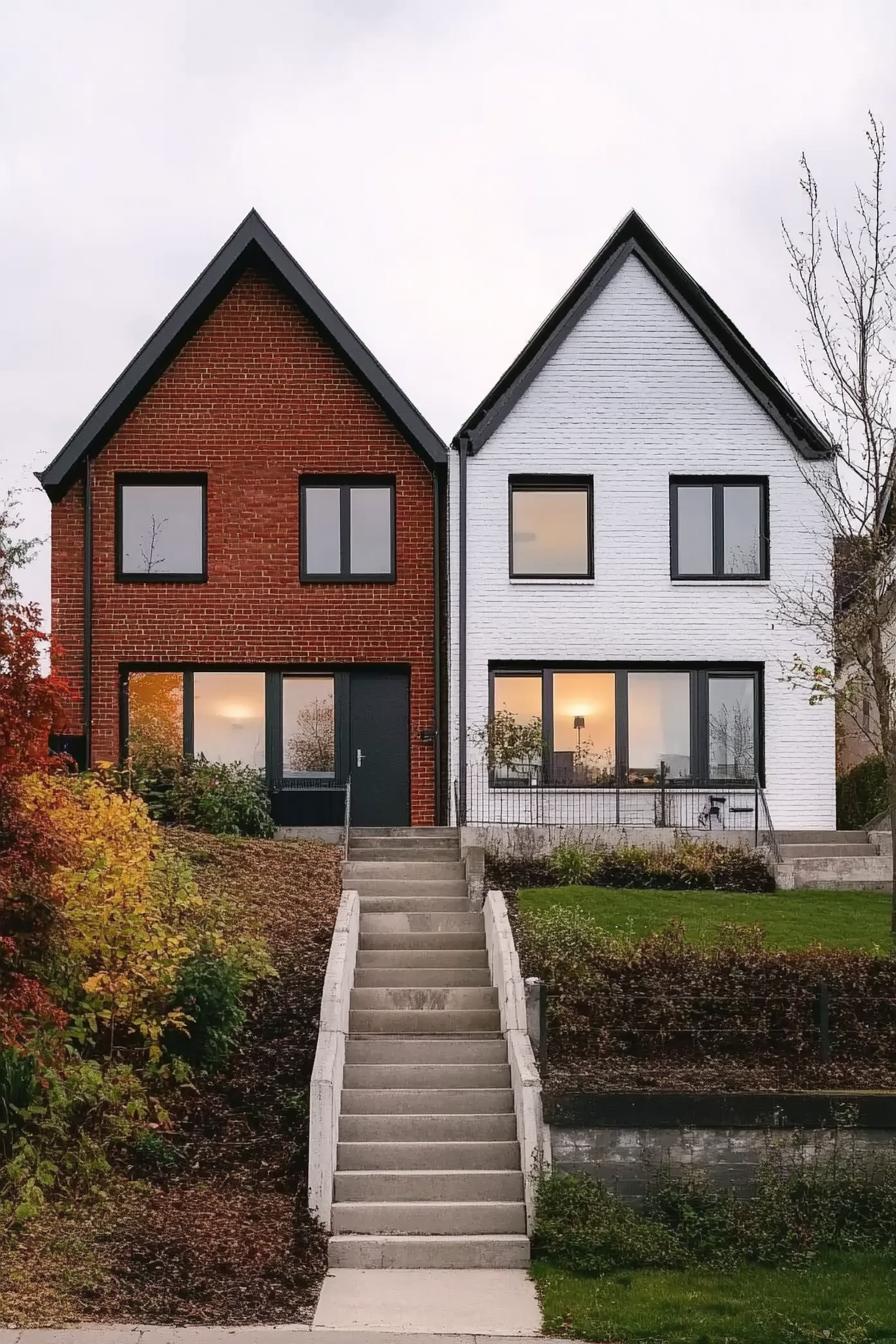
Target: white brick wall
{"points": [[633, 395]]}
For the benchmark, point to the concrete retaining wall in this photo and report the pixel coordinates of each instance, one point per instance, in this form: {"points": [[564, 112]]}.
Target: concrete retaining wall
{"points": [[725, 1137], [525, 1080], [326, 1078], [539, 841]]}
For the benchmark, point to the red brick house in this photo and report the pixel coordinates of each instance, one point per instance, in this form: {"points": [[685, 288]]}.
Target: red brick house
{"points": [[248, 552]]}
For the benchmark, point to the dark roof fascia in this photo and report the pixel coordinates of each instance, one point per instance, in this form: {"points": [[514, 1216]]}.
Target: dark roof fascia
{"points": [[253, 243], [634, 238]]}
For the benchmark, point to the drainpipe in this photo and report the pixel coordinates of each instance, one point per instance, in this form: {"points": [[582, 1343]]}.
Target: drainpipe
{"points": [[437, 640], [87, 674], [462, 448]]}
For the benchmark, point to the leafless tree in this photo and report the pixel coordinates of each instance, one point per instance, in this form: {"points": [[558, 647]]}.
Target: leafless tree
{"points": [[843, 270], [311, 745]]}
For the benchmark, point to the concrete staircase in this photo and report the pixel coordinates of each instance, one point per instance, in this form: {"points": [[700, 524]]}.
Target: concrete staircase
{"points": [[428, 1164], [831, 860]]}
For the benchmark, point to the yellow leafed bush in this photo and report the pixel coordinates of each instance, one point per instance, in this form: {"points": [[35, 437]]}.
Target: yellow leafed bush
{"points": [[130, 911]]}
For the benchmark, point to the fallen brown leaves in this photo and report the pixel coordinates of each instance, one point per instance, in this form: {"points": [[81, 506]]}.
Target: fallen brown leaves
{"points": [[226, 1238]]}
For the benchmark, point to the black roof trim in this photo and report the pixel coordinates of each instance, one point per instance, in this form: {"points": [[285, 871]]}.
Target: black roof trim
{"points": [[253, 243], [634, 238]]}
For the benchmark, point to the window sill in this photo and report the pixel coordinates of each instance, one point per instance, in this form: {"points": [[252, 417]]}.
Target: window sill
{"points": [[720, 583], [552, 583], [161, 578]]}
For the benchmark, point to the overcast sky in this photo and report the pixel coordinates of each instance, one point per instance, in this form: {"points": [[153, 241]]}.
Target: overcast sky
{"points": [[442, 168]]}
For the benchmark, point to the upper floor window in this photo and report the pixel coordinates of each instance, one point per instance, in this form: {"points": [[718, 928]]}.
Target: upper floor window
{"points": [[719, 527], [347, 529], [551, 527], [161, 527]]}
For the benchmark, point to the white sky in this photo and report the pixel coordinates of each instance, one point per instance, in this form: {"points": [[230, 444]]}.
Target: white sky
{"points": [[442, 170]]}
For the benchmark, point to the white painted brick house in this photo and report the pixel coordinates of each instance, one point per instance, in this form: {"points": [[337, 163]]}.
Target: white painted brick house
{"points": [[635, 492]]}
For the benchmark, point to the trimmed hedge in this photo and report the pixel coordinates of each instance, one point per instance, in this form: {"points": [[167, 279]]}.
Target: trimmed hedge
{"points": [[685, 865], [861, 794], [663, 997]]}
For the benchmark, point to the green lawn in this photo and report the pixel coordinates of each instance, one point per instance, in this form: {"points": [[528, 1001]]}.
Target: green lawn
{"points": [[843, 1299], [856, 919]]}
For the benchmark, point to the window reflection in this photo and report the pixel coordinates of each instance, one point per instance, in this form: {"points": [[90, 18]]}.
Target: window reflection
{"points": [[515, 729], [228, 717], [659, 725], [584, 727], [155, 716], [550, 531], [731, 728], [308, 726]]}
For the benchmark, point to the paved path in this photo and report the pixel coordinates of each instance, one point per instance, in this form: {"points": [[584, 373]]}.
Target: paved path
{"points": [[430, 1301], [253, 1334]]}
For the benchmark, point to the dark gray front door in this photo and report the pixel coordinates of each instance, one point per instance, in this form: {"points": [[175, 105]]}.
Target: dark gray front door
{"points": [[379, 752]]}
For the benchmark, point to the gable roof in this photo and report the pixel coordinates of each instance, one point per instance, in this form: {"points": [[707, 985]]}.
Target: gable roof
{"points": [[634, 238], [253, 243]]}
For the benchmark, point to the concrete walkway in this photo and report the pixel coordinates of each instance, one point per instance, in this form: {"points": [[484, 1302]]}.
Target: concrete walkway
{"points": [[430, 1301], [251, 1334]]}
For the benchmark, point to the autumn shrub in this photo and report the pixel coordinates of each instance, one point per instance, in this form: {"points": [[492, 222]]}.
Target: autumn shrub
{"points": [[663, 997], [18, 1086], [684, 865]]}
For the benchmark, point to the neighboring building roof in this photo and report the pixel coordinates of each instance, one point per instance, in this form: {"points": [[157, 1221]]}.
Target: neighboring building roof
{"points": [[253, 243], [634, 238]]}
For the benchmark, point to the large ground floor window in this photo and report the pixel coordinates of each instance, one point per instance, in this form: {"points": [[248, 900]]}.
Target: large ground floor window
{"points": [[309, 730], [632, 725]]}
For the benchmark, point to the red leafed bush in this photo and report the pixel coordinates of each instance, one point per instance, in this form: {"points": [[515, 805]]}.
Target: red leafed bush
{"points": [[25, 1006], [664, 998]]}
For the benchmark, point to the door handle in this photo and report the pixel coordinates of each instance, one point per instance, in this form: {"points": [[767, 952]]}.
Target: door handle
{"points": [[360, 758]]}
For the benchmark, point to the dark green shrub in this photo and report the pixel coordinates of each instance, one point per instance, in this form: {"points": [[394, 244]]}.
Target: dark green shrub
{"points": [[685, 865], [154, 1155], [802, 1206], [861, 794], [222, 799], [211, 992], [18, 1089], [584, 1228]]}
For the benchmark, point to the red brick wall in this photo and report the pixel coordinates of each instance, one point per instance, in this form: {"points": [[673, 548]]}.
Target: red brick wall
{"points": [[255, 398]]}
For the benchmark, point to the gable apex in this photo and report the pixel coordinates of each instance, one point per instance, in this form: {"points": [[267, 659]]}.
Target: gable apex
{"points": [[253, 243], [634, 238]]}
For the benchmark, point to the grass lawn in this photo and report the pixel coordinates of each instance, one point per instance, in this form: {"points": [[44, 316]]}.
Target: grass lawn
{"points": [[855, 919], [844, 1299]]}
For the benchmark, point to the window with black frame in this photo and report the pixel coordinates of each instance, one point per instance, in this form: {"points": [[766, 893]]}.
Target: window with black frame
{"points": [[719, 527], [635, 725], [161, 527], [551, 527], [347, 527]]}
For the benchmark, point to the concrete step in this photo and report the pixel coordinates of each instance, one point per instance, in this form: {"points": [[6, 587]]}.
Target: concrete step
{"points": [[375, 977], [430, 1218], [423, 1022], [359, 1187], [426, 1101], [424, 942], [426, 1076], [500, 1155], [844, 851], [432, 1252], [833, 874], [450, 1128], [382, 850], [403, 832], [386, 905], [411, 886], [423, 957], [411, 870], [425, 998], [419, 1050], [423, 921], [820, 837]]}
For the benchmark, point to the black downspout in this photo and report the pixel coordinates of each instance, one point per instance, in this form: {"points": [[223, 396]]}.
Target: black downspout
{"points": [[87, 696], [462, 445], [437, 642]]}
